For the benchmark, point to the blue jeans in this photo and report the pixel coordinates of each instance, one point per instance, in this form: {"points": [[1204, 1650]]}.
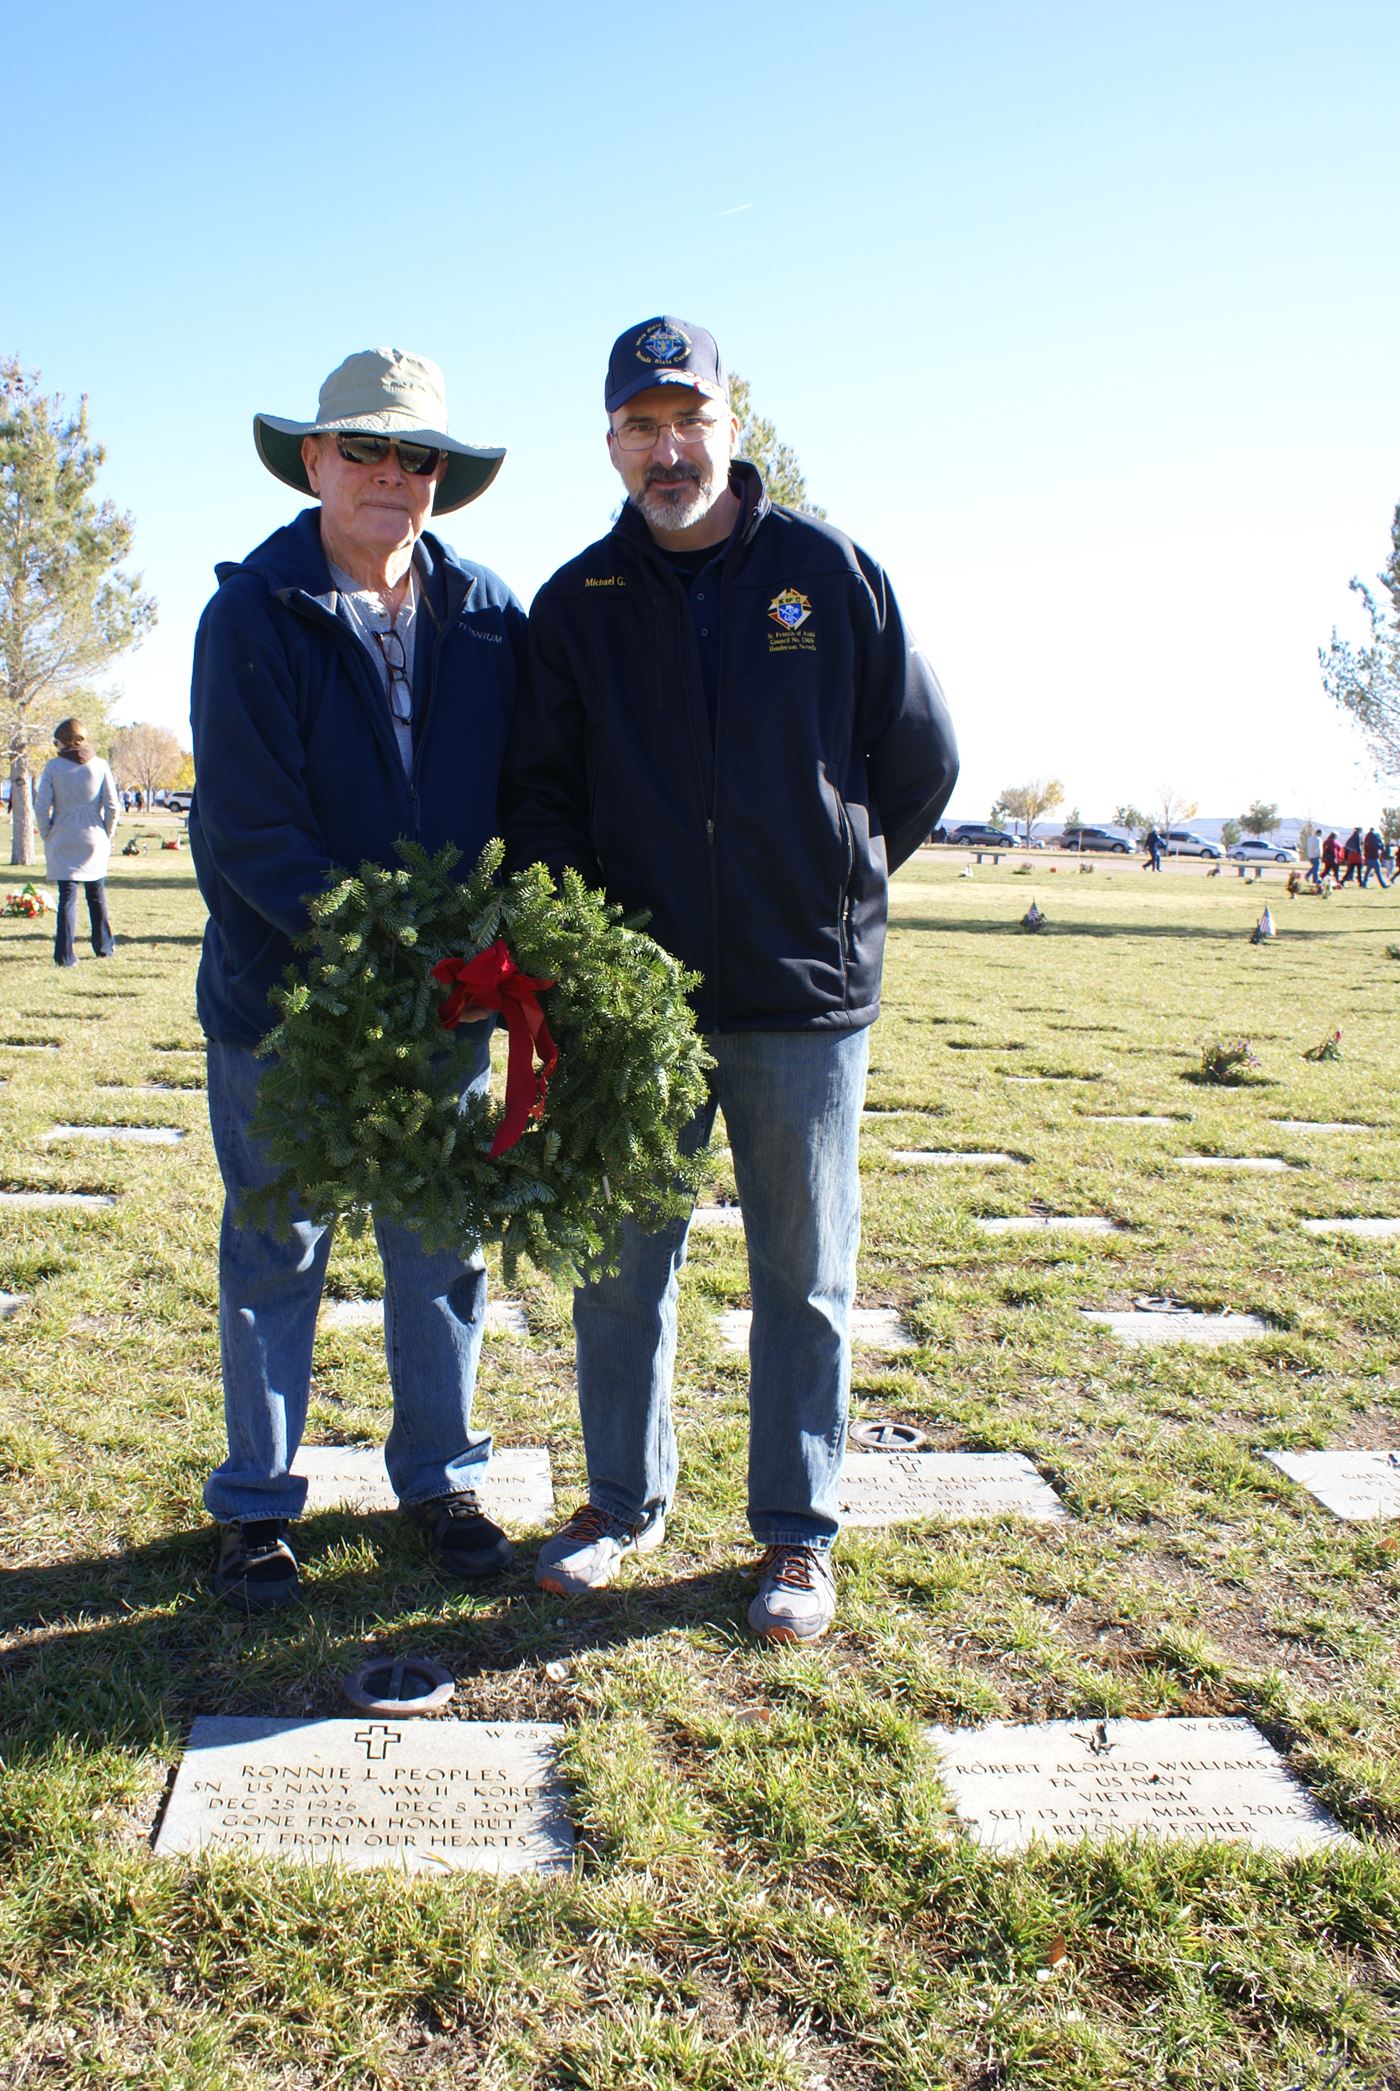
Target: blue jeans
{"points": [[269, 1295], [792, 1103], [65, 929]]}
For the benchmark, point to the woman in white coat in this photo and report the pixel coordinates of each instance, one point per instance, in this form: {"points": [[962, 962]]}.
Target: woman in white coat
{"points": [[77, 806]]}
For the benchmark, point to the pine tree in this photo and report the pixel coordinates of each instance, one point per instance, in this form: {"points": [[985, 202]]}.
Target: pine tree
{"points": [[1365, 680], [758, 443], [65, 610]]}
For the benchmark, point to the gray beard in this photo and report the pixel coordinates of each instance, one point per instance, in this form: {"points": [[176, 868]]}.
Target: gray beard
{"points": [[664, 509]]}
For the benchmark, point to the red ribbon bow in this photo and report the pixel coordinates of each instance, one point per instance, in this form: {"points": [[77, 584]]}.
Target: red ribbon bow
{"points": [[493, 981]]}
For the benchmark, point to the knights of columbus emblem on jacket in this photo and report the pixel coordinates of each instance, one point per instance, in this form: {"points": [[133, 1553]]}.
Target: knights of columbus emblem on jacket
{"points": [[790, 610]]}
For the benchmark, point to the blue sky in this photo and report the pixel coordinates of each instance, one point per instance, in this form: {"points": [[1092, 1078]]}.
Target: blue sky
{"points": [[1082, 318]]}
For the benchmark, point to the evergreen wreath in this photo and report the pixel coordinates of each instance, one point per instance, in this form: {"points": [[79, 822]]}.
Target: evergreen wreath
{"points": [[361, 1105]]}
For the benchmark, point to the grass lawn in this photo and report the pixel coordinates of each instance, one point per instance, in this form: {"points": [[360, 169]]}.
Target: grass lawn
{"points": [[770, 1891]]}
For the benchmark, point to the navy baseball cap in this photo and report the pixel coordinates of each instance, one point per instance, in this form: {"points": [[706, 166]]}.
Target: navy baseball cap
{"points": [[664, 351]]}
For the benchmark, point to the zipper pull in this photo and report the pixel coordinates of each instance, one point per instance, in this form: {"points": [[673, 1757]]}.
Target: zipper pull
{"points": [[710, 832]]}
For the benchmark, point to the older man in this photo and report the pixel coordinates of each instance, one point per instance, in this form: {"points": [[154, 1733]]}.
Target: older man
{"points": [[728, 725], [353, 684]]}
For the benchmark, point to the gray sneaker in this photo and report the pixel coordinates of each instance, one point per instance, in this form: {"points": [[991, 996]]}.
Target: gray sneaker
{"points": [[586, 1553], [797, 1597]]}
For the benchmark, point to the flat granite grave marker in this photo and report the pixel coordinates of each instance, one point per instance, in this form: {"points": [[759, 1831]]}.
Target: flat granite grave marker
{"points": [[38, 1199], [952, 1158], [503, 1317], [1376, 1227], [1352, 1484], [1175, 1778], [1052, 1223], [872, 1328], [1129, 1118], [11, 1302], [1263, 1163], [897, 1488], [135, 1135], [518, 1487], [1177, 1325], [717, 1219], [1322, 1125], [420, 1796]]}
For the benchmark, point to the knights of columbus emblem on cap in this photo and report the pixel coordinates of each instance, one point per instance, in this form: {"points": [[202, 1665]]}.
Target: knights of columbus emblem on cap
{"points": [[790, 610], [662, 345]]}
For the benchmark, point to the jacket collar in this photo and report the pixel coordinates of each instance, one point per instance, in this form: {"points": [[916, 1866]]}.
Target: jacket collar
{"points": [[745, 480], [293, 563]]}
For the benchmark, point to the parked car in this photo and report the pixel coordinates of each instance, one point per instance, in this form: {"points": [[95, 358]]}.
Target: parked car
{"points": [[980, 834], [1185, 842], [1253, 851], [178, 801], [1096, 838]]}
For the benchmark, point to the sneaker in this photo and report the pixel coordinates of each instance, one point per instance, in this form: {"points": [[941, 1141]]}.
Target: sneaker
{"points": [[462, 1540], [586, 1553], [255, 1569], [796, 1598]]}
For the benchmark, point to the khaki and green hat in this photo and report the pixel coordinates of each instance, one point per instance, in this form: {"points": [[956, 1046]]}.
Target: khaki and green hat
{"points": [[381, 392]]}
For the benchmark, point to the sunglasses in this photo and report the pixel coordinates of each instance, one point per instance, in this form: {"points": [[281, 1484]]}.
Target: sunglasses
{"points": [[417, 459]]}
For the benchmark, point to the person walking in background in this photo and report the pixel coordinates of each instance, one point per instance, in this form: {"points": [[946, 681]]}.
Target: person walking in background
{"points": [[1313, 848], [1152, 843], [77, 810], [1350, 854], [1329, 858], [1371, 848]]}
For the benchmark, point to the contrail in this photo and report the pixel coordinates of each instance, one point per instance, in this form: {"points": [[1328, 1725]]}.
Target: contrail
{"points": [[732, 213]]}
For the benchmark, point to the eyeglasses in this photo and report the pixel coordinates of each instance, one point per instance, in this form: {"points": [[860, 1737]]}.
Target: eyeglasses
{"points": [[641, 435], [417, 459], [400, 688]]}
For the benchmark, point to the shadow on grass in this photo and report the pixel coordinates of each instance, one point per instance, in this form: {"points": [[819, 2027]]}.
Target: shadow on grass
{"points": [[123, 1647]]}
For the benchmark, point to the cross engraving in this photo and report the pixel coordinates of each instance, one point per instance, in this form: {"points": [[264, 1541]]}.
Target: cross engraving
{"points": [[377, 1738]]}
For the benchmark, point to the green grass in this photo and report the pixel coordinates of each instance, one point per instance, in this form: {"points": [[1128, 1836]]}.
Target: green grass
{"points": [[769, 1890]]}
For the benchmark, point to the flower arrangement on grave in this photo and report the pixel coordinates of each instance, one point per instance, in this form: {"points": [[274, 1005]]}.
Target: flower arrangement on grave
{"points": [[361, 1102], [27, 901], [1328, 1048], [1228, 1061]]}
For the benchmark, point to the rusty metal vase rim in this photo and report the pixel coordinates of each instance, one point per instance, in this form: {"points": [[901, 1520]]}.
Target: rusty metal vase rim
{"points": [[399, 1685], [881, 1434]]}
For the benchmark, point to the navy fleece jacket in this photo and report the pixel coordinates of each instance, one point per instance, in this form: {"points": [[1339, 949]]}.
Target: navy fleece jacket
{"points": [[298, 773], [762, 845]]}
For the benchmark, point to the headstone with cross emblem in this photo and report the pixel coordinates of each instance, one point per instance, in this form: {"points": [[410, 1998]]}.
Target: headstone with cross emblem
{"points": [[1208, 1778], [419, 1796]]}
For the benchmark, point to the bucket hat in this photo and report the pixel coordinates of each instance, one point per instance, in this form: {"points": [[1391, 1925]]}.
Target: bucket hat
{"points": [[381, 392]]}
